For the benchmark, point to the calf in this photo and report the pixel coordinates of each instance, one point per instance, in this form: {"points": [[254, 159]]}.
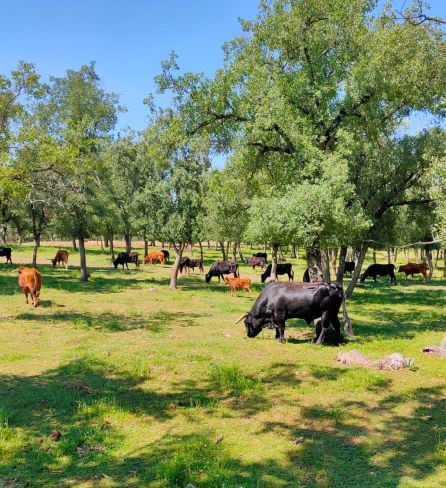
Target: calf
{"points": [[30, 281], [238, 284], [375, 270], [414, 268], [6, 252], [60, 258], [282, 268], [125, 258], [154, 256]]}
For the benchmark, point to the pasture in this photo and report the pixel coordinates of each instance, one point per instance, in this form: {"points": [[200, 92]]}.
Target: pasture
{"points": [[155, 388]]}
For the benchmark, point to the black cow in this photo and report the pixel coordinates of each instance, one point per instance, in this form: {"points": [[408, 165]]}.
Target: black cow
{"points": [[221, 268], [196, 263], [282, 268], [184, 263], [166, 255], [255, 261], [125, 258], [349, 267], [261, 255], [279, 302], [375, 270], [6, 251]]}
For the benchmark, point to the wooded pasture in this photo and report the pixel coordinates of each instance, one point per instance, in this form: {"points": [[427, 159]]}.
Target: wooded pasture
{"points": [[150, 387]]}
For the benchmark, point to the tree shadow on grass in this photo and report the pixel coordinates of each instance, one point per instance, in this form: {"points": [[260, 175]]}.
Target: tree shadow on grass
{"points": [[329, 446], [158, 321]]}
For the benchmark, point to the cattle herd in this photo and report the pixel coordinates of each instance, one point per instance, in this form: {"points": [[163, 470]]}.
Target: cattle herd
{"points": [[278, 302]]}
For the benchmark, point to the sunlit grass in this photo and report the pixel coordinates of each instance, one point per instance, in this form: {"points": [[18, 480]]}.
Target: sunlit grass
{"points": [[155, 388]]}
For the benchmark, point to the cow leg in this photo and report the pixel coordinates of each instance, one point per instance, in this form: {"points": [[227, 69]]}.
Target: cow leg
{"points": [[323, 327], [280, 333], [26, 296]]}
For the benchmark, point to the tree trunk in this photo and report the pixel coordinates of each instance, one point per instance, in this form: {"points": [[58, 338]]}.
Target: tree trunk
{"points": [[437, 255], [102, 244], [227, 249], [4, 230], [209, 244], [274, 249], [83, 259], [176, 265], [314, 263], [341, 264], [106, 244], [325, 266], [240, 252], [428, 253], [444, 263], [128, 242], [357, 271], [112, 247], [74, 244], [374, 256], [146, 247], [293, 251], [234, 251], [201, 251], [222, 247], [334, 258], [415, 251], [35, 248]]}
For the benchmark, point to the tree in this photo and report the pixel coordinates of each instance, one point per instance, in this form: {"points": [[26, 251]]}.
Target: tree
{"points": [[83, 116], [314, 82]]}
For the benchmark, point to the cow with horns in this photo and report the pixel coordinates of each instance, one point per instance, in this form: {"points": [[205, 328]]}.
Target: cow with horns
{"points": [[221, 268], [318, 302]]}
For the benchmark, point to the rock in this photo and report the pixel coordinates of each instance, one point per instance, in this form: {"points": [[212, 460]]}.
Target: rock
{"points": [[219, 439]]}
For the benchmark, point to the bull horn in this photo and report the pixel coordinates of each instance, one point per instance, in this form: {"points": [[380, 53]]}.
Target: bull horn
{"points": [[241, 318]]}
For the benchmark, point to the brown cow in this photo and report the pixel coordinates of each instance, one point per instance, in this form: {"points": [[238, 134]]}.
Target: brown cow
{"points": [[61, 258], [154, 256], [30, 281], [238, 283], [414, 268]]}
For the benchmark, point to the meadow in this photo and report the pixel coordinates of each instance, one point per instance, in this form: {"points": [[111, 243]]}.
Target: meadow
{"points": [[154, 388]]}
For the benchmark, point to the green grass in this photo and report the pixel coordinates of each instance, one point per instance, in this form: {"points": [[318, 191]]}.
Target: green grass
{"points": [[154, 388]]}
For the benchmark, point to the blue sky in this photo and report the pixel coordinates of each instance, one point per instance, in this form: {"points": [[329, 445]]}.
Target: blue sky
{"points": [[127, 39]]}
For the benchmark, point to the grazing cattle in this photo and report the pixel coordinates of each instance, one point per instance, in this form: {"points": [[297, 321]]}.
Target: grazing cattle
{"points": [[154, 256], [282, 268], [349, 267], [261, 255], [238, 284], [184, 264], [279, 302], [255, 261], [61, 258], [221, 268], [166, 255], [30, 281], [125, 258], [6, 252], [414, 268], [375, 270], [196, 263]]}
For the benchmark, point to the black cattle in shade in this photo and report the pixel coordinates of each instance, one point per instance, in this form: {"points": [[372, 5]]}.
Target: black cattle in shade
{"points": [[6, 252], [221, 268], [282, 268], [166, 255], [125, 258], [375, 270], [279, 302], [261, 255]]}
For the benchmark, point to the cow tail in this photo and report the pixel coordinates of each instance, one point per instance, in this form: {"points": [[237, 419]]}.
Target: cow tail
{"points": [[347, 324]]}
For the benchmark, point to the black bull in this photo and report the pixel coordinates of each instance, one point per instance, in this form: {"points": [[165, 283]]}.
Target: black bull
{"points": [[281, 301]]}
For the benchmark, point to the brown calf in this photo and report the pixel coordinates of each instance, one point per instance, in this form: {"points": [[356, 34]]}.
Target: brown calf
{"points": [[154, 256], [60, 258], [414, 268], [30, 281], [238, 283]]}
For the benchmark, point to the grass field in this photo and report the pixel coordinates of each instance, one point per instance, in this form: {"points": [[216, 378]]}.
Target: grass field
{"points": [[154, 388]]}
